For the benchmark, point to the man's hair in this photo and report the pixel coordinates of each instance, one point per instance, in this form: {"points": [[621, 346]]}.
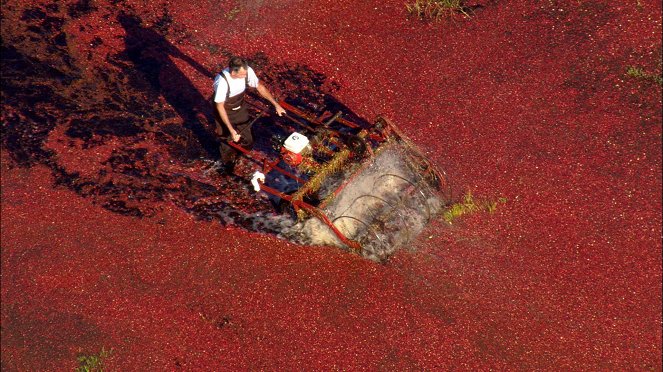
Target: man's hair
{"points": [[236, 63]]}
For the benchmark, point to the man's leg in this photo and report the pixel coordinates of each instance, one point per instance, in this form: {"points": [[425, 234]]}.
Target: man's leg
{"points": [[228, 154], [246, 140]]}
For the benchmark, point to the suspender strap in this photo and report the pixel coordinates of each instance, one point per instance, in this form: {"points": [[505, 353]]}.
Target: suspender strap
{"points": [[227, 83], [246, 83]]}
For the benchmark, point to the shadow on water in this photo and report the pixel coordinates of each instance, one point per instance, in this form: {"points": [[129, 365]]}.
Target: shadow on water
{"points": [[152, 54]]}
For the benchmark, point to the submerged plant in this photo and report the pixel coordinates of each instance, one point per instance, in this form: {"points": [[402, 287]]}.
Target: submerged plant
{"points": [[639, 73], [93, 363], [469, 205], [436, 9], [232, 14]]}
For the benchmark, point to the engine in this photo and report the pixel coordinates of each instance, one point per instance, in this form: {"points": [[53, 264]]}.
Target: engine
{"points": [[293, 148]]}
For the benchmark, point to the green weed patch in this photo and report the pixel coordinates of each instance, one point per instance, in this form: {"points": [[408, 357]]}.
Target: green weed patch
{"points": [[639, 73], [93, 363], [469, 205], [436, 9]]}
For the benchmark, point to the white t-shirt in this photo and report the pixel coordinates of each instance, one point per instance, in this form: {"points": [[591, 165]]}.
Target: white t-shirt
{"points": [[237, 86]]}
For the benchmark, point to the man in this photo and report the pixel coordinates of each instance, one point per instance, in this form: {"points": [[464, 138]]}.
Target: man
{"points": [[230, 112]]}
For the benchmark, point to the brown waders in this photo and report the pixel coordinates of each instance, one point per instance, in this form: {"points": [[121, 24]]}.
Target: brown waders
{"points": [[238, 115]]}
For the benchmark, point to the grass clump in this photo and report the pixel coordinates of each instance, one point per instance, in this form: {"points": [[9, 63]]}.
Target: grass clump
{"points": [[639, 73], [93, 363], [436, 9], [468, 206], [232, 13]]}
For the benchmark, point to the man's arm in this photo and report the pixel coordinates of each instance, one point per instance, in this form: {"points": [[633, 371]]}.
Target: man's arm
{"points": [[224, 117], [264, 92]]}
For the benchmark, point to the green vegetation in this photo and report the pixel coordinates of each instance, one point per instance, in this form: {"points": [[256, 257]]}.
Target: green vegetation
{"points": [[469, 205], [93, 363], [233, 13], [436, 9], [639, 73]]}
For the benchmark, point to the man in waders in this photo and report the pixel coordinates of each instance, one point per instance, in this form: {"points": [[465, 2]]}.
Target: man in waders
{"points": [[230, 112]]}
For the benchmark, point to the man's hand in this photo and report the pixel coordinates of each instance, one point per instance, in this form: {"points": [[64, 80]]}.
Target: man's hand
{"points": [[280, 111], [235, 136]]}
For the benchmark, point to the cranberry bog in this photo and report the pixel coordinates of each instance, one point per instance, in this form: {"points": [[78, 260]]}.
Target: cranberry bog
{"points": [[123, 248]]}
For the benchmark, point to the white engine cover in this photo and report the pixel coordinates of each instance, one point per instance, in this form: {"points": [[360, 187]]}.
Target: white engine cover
{"points": [[296, 142]]}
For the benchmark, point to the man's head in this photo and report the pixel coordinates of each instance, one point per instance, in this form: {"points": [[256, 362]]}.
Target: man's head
{"points": [[237, 67]]}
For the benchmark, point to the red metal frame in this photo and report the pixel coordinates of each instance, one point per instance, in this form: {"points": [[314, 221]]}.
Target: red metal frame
{"points": [[268, 165], [378, 136], [317, 212]]}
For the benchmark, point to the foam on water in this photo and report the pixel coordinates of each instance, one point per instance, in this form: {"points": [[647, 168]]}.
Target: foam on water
{"points": [[383, 208]]}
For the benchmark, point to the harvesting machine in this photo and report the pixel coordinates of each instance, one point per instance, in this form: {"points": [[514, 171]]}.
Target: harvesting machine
{"points": [[348, 183]]}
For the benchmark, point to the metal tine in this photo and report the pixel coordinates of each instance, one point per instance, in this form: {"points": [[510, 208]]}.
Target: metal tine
{"points": [[367, 226], [333, 119]]}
